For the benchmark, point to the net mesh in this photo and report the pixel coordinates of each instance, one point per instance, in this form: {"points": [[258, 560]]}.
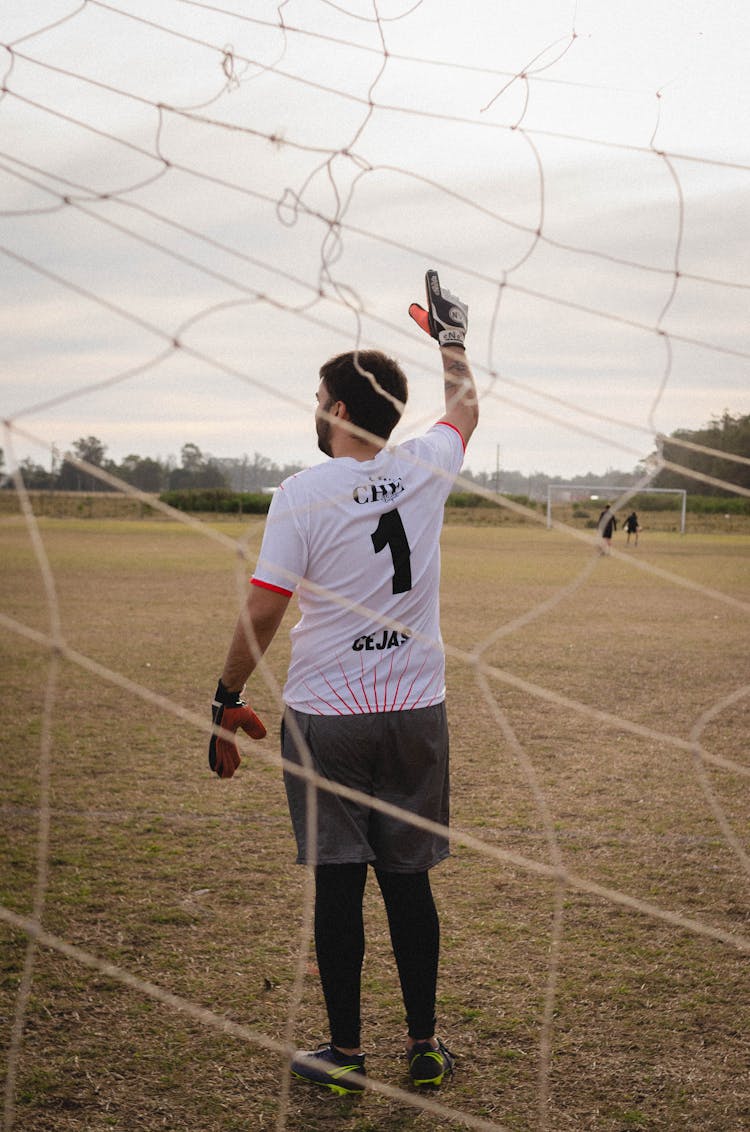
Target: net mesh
{"points": [[252, 183]]}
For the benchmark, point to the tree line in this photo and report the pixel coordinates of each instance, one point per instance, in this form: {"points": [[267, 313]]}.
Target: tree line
{"points": [[727, 433], [251, 475], [195, 471]]}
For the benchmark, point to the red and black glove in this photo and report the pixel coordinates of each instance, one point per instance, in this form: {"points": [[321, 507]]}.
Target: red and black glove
{"points": [[446, 318], [230, 712]]}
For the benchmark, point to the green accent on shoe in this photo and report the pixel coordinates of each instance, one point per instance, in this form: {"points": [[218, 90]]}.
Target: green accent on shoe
{"points": [[330, 1069], [427, 1066]]}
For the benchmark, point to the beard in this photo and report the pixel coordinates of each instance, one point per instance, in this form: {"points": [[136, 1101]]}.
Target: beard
{"points": [[323, 429]]}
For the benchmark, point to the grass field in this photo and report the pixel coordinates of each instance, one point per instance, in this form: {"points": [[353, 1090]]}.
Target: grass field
{"points": [[616, 1016]]}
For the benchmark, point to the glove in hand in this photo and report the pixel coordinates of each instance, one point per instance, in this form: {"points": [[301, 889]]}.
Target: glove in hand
{"points": [[446, 318], [230, 712]]}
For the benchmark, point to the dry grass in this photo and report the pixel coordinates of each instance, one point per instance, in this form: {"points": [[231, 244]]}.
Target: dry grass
{"points": [[188, 882]]}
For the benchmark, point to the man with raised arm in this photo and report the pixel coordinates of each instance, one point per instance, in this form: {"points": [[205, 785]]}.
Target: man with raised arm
{"points": [[357, 539]]}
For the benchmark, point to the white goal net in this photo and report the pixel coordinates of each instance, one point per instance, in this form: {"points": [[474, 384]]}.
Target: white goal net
{"points": [[199, 204]]}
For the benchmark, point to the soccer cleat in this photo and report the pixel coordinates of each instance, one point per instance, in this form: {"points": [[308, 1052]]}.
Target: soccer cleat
{"points": [[341, 1073], [428, 1066]]}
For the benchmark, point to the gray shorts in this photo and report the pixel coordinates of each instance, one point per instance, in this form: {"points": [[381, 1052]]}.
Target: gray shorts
{"points": [[400, 757]]}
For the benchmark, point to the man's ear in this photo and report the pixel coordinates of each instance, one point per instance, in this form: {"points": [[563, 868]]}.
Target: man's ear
{"points": [[340, 410]]}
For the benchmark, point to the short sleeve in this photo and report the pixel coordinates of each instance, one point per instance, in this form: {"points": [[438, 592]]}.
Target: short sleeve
{"points": [[441, 449], [283, 553]]}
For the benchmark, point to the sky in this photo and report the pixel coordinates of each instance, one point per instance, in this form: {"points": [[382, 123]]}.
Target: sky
{"points": [[199, 204]]}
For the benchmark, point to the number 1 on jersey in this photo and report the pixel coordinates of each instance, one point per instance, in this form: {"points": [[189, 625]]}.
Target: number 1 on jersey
{"points": [[390, 532]]}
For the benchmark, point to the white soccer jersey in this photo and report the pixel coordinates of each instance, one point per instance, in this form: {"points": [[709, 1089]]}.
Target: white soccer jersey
{"points": [[359, 543]]}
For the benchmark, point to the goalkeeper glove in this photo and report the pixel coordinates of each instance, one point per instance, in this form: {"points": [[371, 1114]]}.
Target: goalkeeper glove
{"points": [[446, 317], [230, 712]]}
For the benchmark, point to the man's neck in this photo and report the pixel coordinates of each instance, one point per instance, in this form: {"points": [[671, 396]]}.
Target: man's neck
{"points": [[355, 448]]}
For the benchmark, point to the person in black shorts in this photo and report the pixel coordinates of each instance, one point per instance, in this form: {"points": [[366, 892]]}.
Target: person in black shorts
{"points": [[357, 540], [606, 525], [632, 527]]}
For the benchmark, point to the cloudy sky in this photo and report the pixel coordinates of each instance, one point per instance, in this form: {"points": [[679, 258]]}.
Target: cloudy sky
{"points": [[201, 203]]}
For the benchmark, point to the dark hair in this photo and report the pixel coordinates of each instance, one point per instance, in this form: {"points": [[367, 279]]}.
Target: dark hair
{"points": [[368, 382]]}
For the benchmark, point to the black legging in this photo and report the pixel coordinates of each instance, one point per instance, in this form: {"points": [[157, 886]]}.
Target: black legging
{"points": [[340, 945]]}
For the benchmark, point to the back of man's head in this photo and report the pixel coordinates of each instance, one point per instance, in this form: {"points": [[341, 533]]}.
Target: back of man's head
{"points": [[372, 386]]}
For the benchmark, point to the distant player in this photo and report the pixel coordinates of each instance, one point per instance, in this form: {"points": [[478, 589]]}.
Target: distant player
{"points": [[632, 527], [357, 540], [606, 525]]}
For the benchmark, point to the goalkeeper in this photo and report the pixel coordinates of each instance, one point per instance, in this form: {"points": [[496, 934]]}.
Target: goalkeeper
{"points": [[357, 539]]}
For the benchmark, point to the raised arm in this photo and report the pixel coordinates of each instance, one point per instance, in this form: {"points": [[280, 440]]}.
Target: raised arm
{"points": [[461, 404], [446, 320]]}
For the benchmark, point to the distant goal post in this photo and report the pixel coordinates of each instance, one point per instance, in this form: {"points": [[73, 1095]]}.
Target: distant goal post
{"points": [[588, 492]]}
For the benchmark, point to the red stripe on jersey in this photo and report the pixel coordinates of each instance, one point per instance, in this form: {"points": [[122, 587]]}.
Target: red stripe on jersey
{"points": [[458, 430], [268, 586], [334, 710], [350, 690], [338, 696], [402, 706], [387, 679], [362, 683]]}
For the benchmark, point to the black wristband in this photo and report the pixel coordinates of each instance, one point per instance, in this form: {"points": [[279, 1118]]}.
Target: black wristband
{"points": [[226, 698]]}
